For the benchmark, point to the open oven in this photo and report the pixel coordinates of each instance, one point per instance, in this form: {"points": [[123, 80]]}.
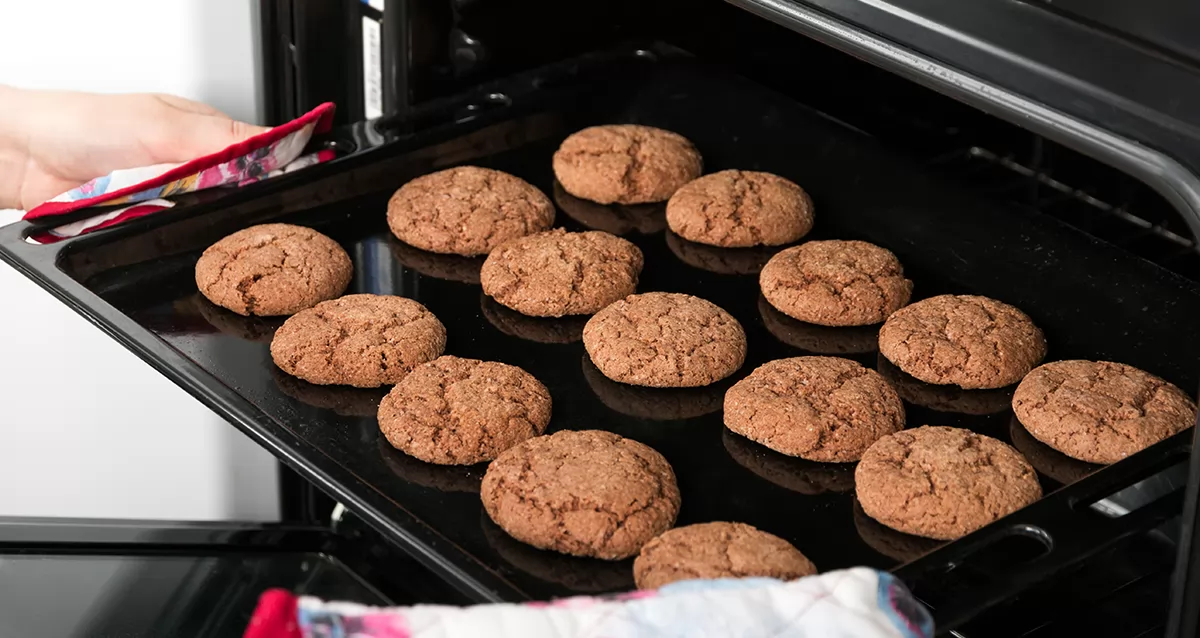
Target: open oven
{"points": [[1047, 155]]}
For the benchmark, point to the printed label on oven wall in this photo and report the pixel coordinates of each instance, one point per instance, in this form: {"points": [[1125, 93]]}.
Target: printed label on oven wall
{"points": [[372, 69]]}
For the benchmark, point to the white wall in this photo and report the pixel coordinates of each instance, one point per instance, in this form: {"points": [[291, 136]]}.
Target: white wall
{"points": [[86, 428]]}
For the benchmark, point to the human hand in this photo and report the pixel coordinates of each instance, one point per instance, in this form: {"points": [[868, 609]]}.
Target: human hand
{"points": [[52, 141]]}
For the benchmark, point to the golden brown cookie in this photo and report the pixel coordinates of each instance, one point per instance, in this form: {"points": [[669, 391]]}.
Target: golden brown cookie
{"points": [[817, 339], [250, 328], [898, 545], [273, 269], [557, 273], [454, 411], [943, 483], [1099, 411], [817, 408], [717, 550], [625, 164], [665, 340], [835, 283], [361, 340], [584, 493], [584, 575], [644, 219], [739, 209], [964, 340], [1045, 459], [467, 210]]}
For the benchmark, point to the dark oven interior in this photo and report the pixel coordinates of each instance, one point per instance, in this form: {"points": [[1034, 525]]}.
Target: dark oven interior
{"points": [[971, 202]]}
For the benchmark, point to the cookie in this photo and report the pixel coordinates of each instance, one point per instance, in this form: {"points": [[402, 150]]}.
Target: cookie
{"points": [[1045, 459], [467, 211], [739, 209], [537, 329], [448, 267], [583, 575], [722, 261], [656, 404], [788, 472], [835, 283], [817, 339], [717, 550], [625, 164], [944, 398], [361, 340], [557, 273], [454, 411], [964, 340], [584, 493], [943, 483], [273, 269], [665, 340], [643, 219], [1099, 411], [817, 408], [896, 545]]}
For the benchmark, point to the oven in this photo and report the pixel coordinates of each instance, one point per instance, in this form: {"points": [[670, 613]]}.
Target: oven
{"points": [[1047, 155]]}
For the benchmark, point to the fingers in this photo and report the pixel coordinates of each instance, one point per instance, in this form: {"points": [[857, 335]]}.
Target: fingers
{"points": [[186, 135]]}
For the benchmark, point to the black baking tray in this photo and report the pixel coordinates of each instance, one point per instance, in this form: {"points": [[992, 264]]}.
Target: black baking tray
{"points": [[1092, 299]]}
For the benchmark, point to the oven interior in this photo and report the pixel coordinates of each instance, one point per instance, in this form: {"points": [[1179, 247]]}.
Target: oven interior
{"points": [[448, 65]]}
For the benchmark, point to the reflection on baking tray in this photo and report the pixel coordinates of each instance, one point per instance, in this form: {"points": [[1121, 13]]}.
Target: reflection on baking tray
{"points": [[1045, 459], [617, 219], [583, 575], [798, 475], [444, 478], [659, 404], [449, 267], [539, 329], [1145, 492], [258, 329], [945, 398], [818, 339], [723, 261], [898, 545], [341, 399]]}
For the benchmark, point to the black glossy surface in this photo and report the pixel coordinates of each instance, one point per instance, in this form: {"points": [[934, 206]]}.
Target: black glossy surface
{"points": [[1091, 299], [157, 596]]}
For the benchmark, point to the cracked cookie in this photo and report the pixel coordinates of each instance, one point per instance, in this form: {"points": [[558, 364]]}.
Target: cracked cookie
{"points": [[556, 273], [740, 209], [584, 493], [1099, 411], [823, 409], [1045, 459], [717, 550], [273, 269], [835, 283], [964, 340], [467, 211], [625, 164], [941, 482], [644, 219], [454, 411], [665, 340], [361, 340]]}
